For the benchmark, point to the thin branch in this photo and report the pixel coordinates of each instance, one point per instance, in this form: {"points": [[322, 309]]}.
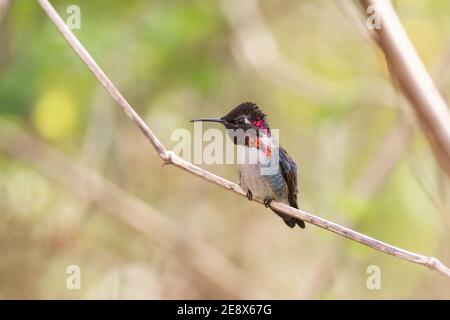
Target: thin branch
{"points": [[413, 79], [5, 5], [398, 140], [101, 76], [5, 11], [401, 135], [170, 158]]}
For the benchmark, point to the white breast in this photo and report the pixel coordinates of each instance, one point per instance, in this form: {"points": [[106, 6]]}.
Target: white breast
{"points": [[250, 173]]}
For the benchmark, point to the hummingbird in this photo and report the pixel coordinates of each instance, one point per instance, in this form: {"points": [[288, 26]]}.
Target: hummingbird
{"points": [[281, 184]]}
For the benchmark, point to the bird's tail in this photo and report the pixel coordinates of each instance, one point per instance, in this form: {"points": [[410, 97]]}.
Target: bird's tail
{"points": [[289, 220]]}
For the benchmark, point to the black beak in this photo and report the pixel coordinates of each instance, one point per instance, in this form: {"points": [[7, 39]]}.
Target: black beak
{"points": [[209, 120]]}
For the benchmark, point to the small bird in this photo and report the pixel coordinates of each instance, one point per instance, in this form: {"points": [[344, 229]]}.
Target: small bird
{"points": [[280, 185]]}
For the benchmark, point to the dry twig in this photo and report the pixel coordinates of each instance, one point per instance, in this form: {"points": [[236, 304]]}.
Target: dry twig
{"points": [[170, 158], [413, 79], [4, 9]]}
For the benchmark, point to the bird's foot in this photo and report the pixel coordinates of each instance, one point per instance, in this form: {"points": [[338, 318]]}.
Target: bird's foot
{"points": [[267, 202], [249, 195]]}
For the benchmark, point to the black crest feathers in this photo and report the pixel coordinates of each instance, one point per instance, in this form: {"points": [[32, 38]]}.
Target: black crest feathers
{"points": [[250, 109]]}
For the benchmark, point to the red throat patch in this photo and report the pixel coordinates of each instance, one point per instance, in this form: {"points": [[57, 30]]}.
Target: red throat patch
{"points": [[256, 143]]}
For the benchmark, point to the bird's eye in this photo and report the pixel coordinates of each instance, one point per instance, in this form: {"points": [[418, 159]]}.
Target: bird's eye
{"points": [[242, 120]]}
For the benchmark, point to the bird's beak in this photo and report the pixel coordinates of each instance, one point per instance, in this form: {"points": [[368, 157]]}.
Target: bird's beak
{"points": [[208, 120]]}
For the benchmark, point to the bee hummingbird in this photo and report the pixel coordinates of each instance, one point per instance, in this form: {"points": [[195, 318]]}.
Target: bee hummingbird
{"points": [[280, 184]]}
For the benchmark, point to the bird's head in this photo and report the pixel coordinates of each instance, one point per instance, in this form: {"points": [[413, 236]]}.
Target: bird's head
{"points": [[245, 116]]}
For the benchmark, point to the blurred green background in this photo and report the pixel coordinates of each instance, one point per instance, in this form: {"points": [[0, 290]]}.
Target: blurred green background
{"points": [[80, 185]]}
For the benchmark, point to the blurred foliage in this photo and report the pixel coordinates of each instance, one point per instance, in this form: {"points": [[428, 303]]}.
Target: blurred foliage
{"points": [[55, 114], [176, 60]]}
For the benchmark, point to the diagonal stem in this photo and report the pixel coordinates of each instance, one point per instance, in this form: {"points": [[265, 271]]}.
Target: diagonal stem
{"points": [[170, 158], [415, 82]]}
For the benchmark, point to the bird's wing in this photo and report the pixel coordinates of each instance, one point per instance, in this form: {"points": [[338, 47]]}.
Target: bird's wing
{"points": [[289, 171]]}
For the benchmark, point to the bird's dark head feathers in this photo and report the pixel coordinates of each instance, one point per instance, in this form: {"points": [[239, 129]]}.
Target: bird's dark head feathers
{"points": [[247, 111]]}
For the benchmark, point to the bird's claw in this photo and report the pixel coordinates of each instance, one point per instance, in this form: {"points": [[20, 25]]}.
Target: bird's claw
{"points": [[249, 195], [267, 202]]}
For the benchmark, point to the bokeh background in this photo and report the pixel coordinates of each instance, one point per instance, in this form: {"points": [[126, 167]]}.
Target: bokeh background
{"points": [[80, 185]]}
